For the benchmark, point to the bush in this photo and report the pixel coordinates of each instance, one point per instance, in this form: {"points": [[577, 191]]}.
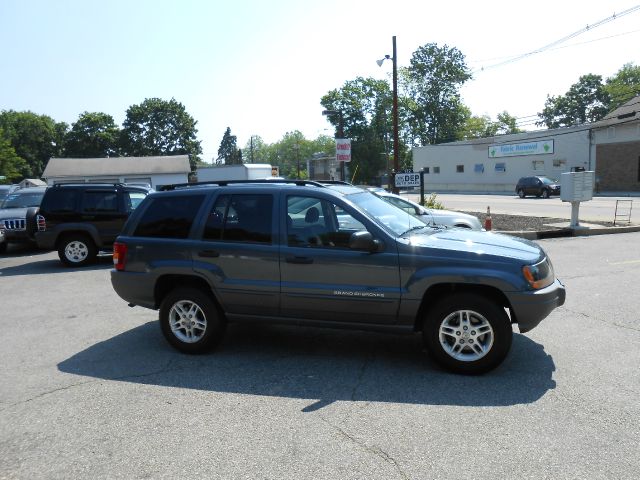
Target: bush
{"points": [[432, 202]]}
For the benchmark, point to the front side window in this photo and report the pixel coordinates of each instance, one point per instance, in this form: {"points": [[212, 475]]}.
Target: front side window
{"points": [[133, 199], [317, 223], [169, 216], [96, 201], [241, 218]]}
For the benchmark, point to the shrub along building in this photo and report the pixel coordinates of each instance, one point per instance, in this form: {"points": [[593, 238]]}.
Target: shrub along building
{"points": [[153, 171], [610, 146]]}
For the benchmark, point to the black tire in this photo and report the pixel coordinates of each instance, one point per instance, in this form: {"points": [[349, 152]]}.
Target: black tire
{"points": [[205, 312], [486, 316], [3, 246], [77, 250], [545, 193], [521, 193]]}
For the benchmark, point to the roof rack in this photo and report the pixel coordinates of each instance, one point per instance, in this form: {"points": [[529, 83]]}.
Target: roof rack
{"points": [[223, 183]]}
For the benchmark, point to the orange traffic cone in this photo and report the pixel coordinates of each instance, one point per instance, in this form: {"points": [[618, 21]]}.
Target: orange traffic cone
{"points": [[487, 220]]}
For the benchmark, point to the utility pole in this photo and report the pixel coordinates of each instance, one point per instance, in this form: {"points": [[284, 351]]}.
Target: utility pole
{"points": [[396, 136]]}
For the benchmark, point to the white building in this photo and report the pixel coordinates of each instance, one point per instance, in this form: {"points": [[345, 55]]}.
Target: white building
{"points": [[153, 171], [495, 164], [611, 147]]}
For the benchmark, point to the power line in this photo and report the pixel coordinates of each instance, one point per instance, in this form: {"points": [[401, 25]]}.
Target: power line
{"points": [[561, 40]]}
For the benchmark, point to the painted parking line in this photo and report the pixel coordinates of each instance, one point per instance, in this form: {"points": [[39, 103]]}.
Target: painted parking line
{"points": [[628, 262]]}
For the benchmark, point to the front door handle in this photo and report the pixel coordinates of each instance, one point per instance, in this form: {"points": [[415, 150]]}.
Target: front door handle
{"points": [[301, 260], [208, 253]]}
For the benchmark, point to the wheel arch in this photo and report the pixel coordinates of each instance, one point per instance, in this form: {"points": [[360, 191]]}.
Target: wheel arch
{"points": [[169, 282], [440, 290], [63, 234]]}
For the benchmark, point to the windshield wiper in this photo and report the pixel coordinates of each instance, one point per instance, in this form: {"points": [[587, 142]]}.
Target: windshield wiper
{"points": [[415, 227]]}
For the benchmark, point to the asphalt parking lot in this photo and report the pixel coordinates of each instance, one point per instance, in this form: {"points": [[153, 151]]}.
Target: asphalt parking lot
{"points": [[90, 389]]}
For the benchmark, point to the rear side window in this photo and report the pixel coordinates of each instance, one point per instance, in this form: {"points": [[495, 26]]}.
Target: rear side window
{"points": [[241, 218], [169, 217], [61, 200]]}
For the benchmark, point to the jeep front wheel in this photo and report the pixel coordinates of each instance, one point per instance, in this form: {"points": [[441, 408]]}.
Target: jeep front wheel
{"points": [[467, 333], [190, 320], [77, 250]]}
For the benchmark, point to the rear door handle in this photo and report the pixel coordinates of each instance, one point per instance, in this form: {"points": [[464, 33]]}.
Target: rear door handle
{"points": [[208, 253], [302, 260]]}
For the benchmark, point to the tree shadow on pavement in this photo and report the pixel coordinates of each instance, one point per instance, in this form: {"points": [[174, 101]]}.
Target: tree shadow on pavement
{"points": [[321, 365]]}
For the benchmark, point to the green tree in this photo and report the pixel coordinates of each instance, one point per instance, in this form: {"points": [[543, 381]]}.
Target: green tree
{"points": [[432, 82], [623, 86], [160, 127], [483, 126], [585, 101], [228, 152], [365, 107], [256, 150], [11, 165], [35, 138], [93, 135]]}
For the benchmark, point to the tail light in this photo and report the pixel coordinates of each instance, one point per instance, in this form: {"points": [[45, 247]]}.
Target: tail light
{"points": [[119, 255], [41, 222]]}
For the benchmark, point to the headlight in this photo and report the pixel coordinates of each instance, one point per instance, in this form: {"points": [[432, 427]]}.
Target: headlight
{"points": [[539, 275]]}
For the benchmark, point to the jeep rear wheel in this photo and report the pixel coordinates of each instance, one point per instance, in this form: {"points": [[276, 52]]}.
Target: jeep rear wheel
{"points": [[467, 333], [521, 193], [190, 321], [77, 250]]}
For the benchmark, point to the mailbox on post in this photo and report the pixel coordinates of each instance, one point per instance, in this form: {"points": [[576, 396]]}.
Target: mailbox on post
{"points": [[576, 187]]}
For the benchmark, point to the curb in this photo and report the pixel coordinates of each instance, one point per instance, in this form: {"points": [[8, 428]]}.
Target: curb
{"points": [[569, 232]]}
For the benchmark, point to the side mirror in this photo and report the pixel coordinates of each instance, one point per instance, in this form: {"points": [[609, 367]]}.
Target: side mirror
{"points": [[363, 240]]}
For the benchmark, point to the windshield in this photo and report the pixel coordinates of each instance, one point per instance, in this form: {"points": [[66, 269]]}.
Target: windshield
{"points": [[23, 200], [546, 181], [388, 216]]}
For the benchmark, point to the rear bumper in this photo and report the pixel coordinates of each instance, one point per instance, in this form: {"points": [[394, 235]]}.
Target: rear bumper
{"points": [[46, 240], [134, 288], [530, 308]]}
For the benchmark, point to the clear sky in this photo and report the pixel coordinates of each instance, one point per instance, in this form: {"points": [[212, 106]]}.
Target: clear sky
{"points": [[261, 67]]}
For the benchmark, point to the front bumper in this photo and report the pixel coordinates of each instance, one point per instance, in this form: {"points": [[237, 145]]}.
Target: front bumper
{"points": [[530, 308]]}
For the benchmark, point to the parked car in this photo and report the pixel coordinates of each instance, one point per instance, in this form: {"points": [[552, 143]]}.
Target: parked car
{"points": [[79, 220], [432, 216], [17, 214], [539, 186], [276, 252]]}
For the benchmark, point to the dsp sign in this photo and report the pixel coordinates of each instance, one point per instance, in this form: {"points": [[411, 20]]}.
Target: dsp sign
{"points": [[407, 179], [343, 149]]}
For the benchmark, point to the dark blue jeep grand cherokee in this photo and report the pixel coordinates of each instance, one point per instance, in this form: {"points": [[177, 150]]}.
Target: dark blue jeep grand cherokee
{"points": [[327, 254]]}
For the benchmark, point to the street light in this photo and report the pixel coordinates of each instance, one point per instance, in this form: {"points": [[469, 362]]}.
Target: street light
{"points": [[396, 142], [339, 133]]}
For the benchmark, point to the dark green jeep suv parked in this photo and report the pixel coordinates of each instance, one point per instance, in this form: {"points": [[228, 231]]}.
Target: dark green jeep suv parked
{"points": [[79, 220], [327, 254]]}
